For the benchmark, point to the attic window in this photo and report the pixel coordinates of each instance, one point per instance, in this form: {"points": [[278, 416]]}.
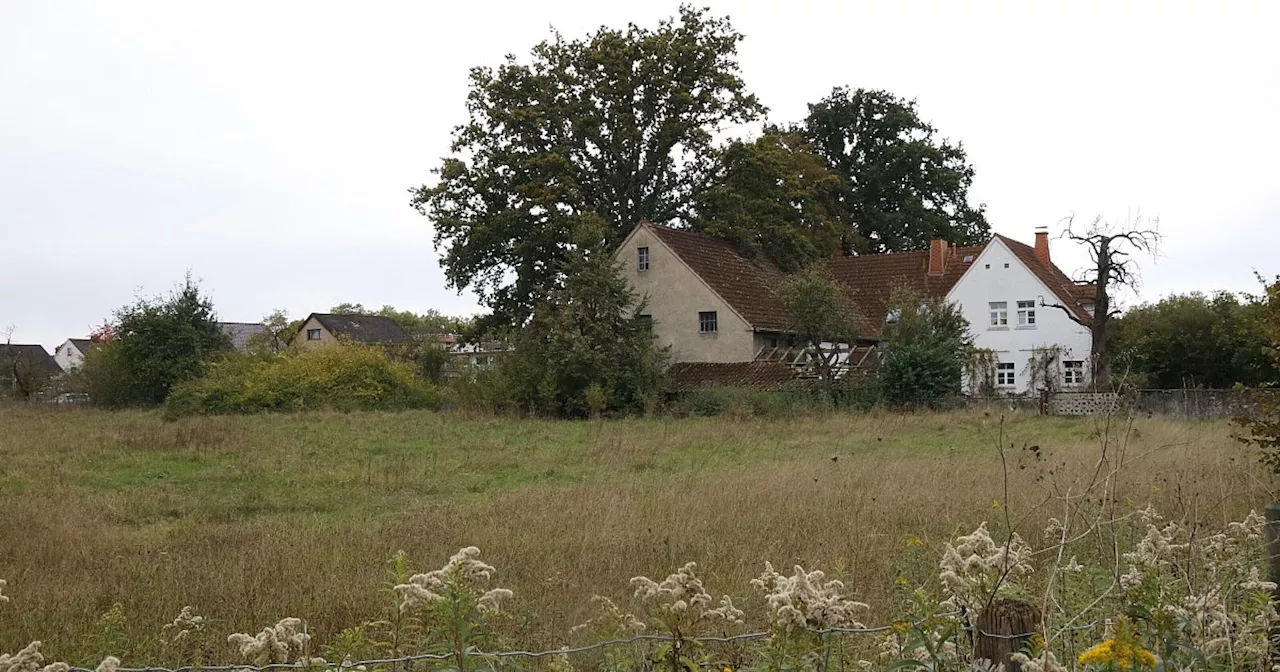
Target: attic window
{"points": [[642, 258], [707, 323], [988, 265], [1006, 264], [313, 334]]}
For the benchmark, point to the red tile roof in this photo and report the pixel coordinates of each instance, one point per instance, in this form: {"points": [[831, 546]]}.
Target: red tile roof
{"points": [[687, 376], [748, 287], [1050, 275], [872, 277]]}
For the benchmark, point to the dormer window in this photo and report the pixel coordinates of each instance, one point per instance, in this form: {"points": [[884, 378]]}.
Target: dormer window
{"points": [[642, 258]]}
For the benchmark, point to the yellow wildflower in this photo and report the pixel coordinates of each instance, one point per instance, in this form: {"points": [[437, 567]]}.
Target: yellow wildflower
{"points": [[900, 627], [995, 504], [915, 541], [1122, 650]]}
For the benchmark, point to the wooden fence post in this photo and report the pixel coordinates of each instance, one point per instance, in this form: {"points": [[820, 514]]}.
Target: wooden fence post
{"points": [[1272, 537], [1004, 628]]}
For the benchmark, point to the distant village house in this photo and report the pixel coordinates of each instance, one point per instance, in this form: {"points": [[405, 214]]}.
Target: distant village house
{"points": [[720, 315]]}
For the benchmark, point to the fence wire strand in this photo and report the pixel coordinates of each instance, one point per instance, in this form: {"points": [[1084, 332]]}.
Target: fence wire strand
{"points": [[347, 665]]}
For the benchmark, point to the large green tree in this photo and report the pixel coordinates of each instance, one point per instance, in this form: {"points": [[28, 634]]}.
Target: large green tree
{"points": [[156, 342], [776, 200], [925, 348], [585, 350], [821, 318], [616, 127], [901, 186], [1195, 340]]}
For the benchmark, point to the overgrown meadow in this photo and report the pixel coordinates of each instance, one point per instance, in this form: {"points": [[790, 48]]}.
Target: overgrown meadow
{"points": [[1124, 533]]}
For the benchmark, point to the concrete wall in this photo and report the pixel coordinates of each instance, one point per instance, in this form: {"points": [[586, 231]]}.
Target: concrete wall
{"points": [[997, 275], [675, 297], [300, 339]]}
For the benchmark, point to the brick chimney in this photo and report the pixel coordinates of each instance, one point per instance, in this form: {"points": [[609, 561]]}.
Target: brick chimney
{"points": [[1042, 245], [937, 257]]}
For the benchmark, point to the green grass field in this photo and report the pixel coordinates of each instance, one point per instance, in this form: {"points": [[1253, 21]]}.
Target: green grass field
{"points": [[250, 519]]}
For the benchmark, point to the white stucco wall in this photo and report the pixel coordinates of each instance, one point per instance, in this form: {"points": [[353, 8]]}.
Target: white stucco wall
{"points": [[675, 297], [998, 275], [67, 356]]}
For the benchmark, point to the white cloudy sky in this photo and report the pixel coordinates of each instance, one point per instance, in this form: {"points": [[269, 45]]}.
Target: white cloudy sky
{"points": [[268, 146]]}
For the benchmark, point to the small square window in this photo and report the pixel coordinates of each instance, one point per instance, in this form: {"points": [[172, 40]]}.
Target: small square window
{"points": [[313, 334], [645, 321], [1004, 374], [1006, 264], [1073, 372], [1026, 313], [999, 314], [988, 265], [642, 258], [707, 322]]}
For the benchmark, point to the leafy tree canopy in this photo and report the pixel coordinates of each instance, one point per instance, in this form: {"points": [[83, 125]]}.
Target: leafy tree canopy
{"points": [[1196, 340], [900, 185], [584, 351], [925, 349], [775, 199], [616, 128], [156, 343]]}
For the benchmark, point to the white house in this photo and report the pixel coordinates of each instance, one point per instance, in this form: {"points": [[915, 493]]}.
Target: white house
{"points": [[719, 313], [70, 355], [1008, 298]]}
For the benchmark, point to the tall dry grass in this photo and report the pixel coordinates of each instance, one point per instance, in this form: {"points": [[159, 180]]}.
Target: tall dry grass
{"points": [[252, 519]]}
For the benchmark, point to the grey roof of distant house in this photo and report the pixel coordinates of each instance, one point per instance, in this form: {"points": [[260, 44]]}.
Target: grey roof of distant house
{"points": [[241, 331], [373, 329], [35, 354], [84, 345]]}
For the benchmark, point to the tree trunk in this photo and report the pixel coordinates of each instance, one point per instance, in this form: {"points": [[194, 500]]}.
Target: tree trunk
{"points": [[1101, 359]]}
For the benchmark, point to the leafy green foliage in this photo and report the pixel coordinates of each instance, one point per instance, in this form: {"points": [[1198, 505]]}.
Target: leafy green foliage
{"points": [[584, 339], [820, 316], [156, 344], [1196, 340], [774, 199], [1262, 426], [900, 186], [925, 349], [346, 378], [614, 128], [279, 330]]}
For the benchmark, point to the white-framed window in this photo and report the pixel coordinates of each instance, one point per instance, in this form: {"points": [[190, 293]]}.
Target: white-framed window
{"points": [[1004, 374], [313, 334], [642, 258], [1072, 372], [707, 322], [999, 313], [1026, 313]]}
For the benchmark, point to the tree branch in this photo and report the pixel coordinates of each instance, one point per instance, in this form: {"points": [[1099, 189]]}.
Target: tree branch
{"points": [[1070, 315]]}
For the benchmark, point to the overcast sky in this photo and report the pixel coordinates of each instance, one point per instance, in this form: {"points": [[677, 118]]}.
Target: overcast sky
{"points": [[268, 147]]}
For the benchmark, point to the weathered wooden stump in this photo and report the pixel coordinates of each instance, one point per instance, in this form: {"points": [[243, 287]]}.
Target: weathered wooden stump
{"points": [[1004, 628]]}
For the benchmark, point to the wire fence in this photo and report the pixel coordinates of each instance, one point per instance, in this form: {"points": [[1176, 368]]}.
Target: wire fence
{"points": [[596, 646]]}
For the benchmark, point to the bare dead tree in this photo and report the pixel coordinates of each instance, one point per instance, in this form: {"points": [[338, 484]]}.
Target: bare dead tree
{"points": [[1112, 249]]}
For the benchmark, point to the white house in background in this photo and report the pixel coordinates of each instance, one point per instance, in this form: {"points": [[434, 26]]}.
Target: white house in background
{"points": [[720, 315], [1006, 294], [70, 355]]}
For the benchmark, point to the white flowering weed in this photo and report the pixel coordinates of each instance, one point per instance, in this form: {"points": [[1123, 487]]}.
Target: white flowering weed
{"points": [[283, 642], [807, 600]]}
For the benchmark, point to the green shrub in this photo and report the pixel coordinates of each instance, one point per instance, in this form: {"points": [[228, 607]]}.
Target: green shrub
{"points": [[346, 378]]}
